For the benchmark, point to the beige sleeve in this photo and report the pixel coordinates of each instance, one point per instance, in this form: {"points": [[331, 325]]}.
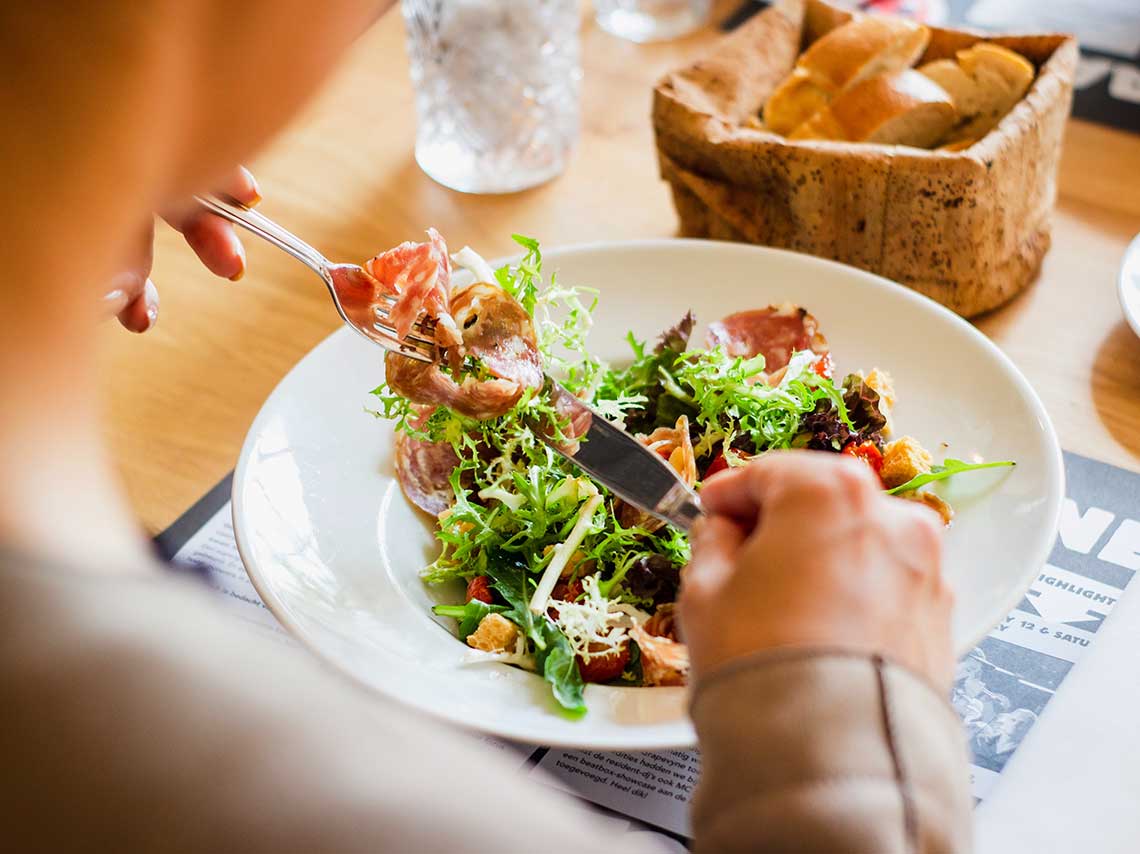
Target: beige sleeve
{"points": [[814, 751], [138, 716]]}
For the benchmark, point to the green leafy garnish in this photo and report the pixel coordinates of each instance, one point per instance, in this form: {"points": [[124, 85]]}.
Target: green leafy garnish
{"points": [[553, 657], [633, 673], [522, 281], [469, 615], [722, 396], [948, 468]]}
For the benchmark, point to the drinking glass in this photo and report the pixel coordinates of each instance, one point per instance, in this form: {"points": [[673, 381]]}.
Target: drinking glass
{"points": [[496, 86], [651, 20]]}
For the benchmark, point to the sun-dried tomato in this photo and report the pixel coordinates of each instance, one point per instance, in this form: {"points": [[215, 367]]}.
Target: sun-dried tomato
{"points": [[564, 591], [824, 366], [867, 452], [719, 463], [604, 668], [479, 587]]}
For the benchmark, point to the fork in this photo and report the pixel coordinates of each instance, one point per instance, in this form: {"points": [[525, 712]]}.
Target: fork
{"points": [[604, 451], [352, 289]]}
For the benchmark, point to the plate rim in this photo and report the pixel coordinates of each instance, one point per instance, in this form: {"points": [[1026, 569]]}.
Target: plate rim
{"points": [[687, 735], [1130, 268]]}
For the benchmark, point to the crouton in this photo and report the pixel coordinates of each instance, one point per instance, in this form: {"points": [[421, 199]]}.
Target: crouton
{"points": [[495, 634], [903, 459]]}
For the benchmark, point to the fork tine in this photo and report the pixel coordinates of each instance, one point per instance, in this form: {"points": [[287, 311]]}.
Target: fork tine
{"points": [[426, 329], [415, 340], [387, 339], [425, 325]]}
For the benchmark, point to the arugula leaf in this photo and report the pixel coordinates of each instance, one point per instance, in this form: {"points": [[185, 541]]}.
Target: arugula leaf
{"points": [[948, 468], [469, 615], [553, 656], [509, 575], [633, 673], [560, 668]]}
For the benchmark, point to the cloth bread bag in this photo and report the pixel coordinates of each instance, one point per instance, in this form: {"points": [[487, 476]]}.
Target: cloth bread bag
{"points": [[968, 228]]}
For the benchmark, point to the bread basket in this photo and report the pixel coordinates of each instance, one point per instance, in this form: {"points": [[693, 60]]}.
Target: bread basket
{"points": [[967, 228]]}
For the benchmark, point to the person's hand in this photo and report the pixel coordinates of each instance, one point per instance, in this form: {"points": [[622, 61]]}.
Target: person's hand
{"points": [[132, 296], [804, 549]]}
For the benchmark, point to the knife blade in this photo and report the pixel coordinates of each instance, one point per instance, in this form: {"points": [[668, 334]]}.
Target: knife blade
{"points": [[619, 462]]}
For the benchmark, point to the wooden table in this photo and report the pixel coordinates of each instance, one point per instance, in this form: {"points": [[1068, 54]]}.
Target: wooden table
{"points": [[181, 397]]}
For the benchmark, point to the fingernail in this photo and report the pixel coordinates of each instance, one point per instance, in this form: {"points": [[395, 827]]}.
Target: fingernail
{"points": [[115, 301], [240, 252], [150, 297], [253, 183]]}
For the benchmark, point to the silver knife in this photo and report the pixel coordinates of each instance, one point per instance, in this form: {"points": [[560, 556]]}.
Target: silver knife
{"points": [[619, 462]]}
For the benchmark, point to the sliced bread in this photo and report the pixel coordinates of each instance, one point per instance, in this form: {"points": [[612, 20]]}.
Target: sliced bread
{"points": [[986, 81], [863, 47], [899, 108]]}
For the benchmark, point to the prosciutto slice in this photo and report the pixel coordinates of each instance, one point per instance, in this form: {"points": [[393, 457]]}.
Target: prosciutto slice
{"points": [[498, 332], [419, 276], [423, 469], [774, 332]]}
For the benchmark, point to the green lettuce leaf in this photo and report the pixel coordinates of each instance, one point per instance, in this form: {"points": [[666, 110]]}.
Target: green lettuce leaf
{"points": [[948, 468]]}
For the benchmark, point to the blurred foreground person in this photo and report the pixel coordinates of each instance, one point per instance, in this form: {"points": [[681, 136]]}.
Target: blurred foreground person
{"points": [[138, 717]]}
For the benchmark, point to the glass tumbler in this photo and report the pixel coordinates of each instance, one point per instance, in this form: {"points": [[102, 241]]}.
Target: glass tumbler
{"points": [[496, 85], [651, 20]]}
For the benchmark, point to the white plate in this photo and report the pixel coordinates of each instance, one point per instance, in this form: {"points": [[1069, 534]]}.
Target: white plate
{"points": [[334, 548], [1129, 285]]}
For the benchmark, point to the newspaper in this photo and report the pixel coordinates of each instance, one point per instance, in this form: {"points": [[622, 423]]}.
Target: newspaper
{"points": [[1001, 687]]}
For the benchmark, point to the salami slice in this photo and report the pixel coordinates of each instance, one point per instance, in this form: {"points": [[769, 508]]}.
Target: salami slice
{"points": [[774, 332], [427, 383], [423, 469], [498, 332]]}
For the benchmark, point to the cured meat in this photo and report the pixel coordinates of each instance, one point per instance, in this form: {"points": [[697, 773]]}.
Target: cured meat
{"points": [[419, 276], [663, 623], [423, 382], [497, 331], [573, 420], [663, 661], [774, 332], [423, 469]]}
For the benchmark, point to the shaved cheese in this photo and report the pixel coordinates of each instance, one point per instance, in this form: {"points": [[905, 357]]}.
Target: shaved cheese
{"points": [[562, 554], [573, 488], [595, 626], [469, 259], [511, 499]]}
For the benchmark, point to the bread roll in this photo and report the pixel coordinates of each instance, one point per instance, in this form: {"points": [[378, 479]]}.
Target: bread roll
{"points": [[900, 108], [985, 83], [861, 48]]}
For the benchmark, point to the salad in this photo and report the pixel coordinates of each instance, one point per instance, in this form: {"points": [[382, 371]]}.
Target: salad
{"points": [[561, 577]]}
